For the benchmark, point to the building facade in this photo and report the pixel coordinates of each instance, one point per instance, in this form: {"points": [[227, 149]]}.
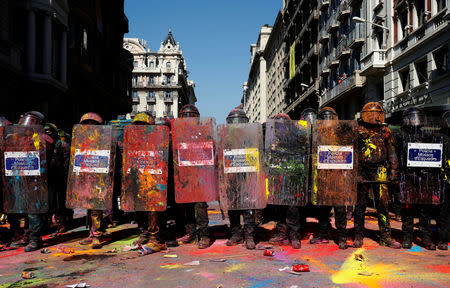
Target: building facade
{"points": [[63, 58], [255, 95], [160, 79]]}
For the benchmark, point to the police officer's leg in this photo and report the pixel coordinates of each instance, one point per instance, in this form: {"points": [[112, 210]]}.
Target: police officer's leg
{"points": [[425, 226], [360, 214], [235, 228], [323, 225], [407, 226], [249, 228], [281, 235], [293, 223], [189, 223], [340, 221], [443, 220], [142, 218], [96, 230], [201, 213], [36, 229], [381, 197]]}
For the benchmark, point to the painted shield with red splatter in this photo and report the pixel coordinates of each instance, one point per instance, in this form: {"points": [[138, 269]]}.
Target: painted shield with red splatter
{"points": [[241, 167], [334, 162], [421, 157], [194, 160], [287, 161], [144, 173], [24, 169], [91, 169]]}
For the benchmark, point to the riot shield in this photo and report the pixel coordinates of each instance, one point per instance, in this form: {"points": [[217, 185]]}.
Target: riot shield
{"points": [[144, 173], [334, 162], [286, 149], [25, 188], [241, 169], [194, 160], [91, 169], [2, 149], [420, 160]]}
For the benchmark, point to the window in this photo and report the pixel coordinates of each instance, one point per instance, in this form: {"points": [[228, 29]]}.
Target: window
{"points": [[421, 70], [135, 64], [134, 80], [168, 79], [151, 108], [404, 78], [168, 95], [151, 79], [168, 64], [135, 95], [151, 64], [441, 4], [151, 94], [441, 60], [167, 108], [420, 9]]}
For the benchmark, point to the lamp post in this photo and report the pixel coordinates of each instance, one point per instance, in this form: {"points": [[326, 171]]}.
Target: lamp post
{"points": [[361, 20]]}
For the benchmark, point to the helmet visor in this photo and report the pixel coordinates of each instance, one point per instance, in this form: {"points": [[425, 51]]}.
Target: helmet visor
{"points": [[414, 119]]}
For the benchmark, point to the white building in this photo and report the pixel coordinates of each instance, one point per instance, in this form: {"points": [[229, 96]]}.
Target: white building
{"points": [[255, 89], [160, 84]]}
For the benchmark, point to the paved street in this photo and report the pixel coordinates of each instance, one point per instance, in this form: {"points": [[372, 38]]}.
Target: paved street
{"points": [[222, 266]]}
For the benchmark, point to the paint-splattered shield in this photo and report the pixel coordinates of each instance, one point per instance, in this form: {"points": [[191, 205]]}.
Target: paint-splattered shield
{"points": [[91, 172], [334, 162], [286, 160], [2, 149], [144, 174], [194, 160], [24, 169], [241, 167], [421, 159]]}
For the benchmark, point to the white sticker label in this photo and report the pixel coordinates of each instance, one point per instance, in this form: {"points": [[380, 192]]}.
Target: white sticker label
{"points": [[335, 157], [241, 160], [196, 154], [22, 163], [427, 155], [91, 161], [146, 161]]}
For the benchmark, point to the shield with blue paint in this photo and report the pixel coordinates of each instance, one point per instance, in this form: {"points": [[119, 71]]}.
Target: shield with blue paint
{"points": [[334, 162], [91, 169], [145, 169], [241, 167], [286, 149], [24, 169], [194, 160]]}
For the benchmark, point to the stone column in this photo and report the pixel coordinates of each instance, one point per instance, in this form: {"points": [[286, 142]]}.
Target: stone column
{"points": [[47, 42], [31, 41], [63, 56]]}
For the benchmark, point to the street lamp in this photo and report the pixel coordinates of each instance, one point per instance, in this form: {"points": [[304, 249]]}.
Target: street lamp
{"points": [[361, 20]]}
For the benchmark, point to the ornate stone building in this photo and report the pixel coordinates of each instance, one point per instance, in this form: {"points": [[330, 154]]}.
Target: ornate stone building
{"points": [[160, 79]]}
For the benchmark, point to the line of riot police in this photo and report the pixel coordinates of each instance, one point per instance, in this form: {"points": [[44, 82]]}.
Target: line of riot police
{"points": [[317, 163]]}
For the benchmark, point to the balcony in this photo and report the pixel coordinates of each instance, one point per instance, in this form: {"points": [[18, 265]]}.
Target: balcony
{"points": [[323, 36], [342, 49], [353, 3], [324, 70], [332, 61], [378, 5], [151, 98], [356, 36], [374, 62], [332, 23], [343, 11], [135, 99], [323, 5], [354, 81]]}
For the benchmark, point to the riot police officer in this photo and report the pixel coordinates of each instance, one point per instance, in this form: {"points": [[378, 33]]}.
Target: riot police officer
{"points": [[96, 216], [377, 164], [234, 117], [196, 214], [340, 219]]}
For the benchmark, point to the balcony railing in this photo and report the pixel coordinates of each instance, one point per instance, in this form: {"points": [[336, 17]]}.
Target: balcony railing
{"points": [[356, 36], [342, 48], [374, 62], [323, 4], [332, 23], [323, 36], [324, 67], [343, 10], [331, 59], [346, 85], [151, 98]]}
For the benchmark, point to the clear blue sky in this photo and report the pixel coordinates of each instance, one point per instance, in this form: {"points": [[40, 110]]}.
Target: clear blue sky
{"points": [[215, 38]]}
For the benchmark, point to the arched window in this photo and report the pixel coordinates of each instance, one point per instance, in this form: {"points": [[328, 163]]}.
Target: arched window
{"points": [[168, 64]]}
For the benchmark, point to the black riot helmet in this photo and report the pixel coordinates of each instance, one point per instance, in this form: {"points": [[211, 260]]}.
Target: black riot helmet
{"points": [[309, 115], [4, 121], [414, 117], [189, 111], [445, 120], [32, 118], [327, 113], [237, 116]]}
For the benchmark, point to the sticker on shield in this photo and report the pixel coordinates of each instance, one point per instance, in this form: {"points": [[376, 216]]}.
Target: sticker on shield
{"points": [[144, 161], [91, 161], [196, 154], [22, 163], [427, 155], [241, 160], [335, 157]]}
